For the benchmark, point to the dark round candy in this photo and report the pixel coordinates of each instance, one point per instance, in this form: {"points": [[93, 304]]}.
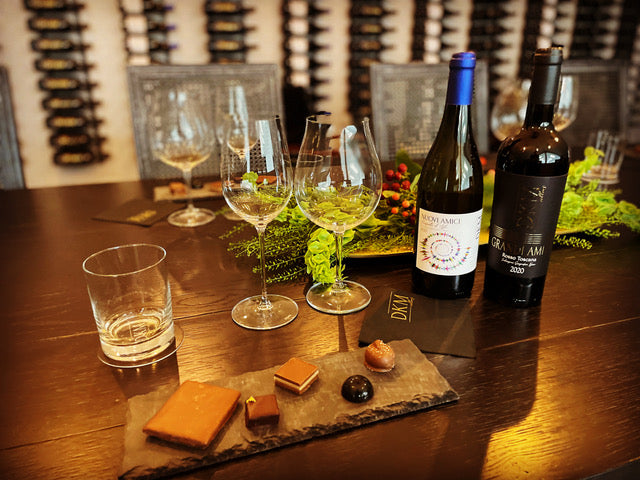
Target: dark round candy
{"points": [[357, 389]]}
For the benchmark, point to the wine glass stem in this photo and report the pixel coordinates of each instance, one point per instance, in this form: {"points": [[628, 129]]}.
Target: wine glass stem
{"points": [[265, 304], [339, 282], [186, 175]]}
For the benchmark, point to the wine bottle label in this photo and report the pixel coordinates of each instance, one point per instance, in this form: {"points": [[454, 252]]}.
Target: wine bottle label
{"points": [[523, 223], [448, 243]]}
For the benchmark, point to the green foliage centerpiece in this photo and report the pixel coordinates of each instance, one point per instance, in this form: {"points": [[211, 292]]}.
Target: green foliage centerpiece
{"points": [[297, 247]]}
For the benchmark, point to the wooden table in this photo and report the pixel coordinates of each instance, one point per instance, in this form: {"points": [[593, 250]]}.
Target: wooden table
{"points": [[553, 393]]}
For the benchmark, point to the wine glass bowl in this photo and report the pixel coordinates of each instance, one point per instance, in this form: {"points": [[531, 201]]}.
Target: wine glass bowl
{"points": [[566, 108], [181, 138], [257, 183], [510, 106], [507, 114], [338, 181]]}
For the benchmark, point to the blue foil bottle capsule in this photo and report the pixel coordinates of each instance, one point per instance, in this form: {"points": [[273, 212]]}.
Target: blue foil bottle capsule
{"points": [[461, 69]]}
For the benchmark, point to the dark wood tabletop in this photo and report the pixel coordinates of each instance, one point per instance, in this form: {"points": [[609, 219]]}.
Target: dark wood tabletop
{"points": [[554, 391]]}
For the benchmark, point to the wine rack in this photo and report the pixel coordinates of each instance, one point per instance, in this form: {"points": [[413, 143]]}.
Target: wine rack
{"points": [[367, 29], [489, 20], [427, 42], [146, 31], [227, 31], [65, 79], [302, 45]]}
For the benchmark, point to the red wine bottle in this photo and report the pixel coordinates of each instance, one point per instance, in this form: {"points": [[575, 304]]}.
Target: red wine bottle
{"points": [[449, 198], [531, 171]]}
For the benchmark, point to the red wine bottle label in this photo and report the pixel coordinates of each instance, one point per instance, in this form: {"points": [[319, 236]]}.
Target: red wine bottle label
{"points": [[448, 243], [523, 223]]}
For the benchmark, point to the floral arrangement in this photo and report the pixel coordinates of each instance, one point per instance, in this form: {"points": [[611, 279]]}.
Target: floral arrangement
{"points": [[297, 247]]}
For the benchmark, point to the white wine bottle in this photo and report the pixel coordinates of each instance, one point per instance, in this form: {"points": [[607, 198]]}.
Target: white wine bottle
{"points": [[531, 171], [450, 195]]}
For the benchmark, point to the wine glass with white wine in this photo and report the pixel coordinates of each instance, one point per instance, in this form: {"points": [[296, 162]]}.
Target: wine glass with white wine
{"points": [[182, 138], [338, 182], [257, 183]]}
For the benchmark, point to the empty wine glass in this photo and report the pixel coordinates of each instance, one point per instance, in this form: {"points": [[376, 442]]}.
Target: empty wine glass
{"points": [[182, 138], [338, 182], [232, 118], [507, 114], [566, 107], [257, 183], [510, 107]]}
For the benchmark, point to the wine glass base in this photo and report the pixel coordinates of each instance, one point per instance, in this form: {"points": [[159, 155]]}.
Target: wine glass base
{"points": [[249, 314], [191, 217], [324, 298]]}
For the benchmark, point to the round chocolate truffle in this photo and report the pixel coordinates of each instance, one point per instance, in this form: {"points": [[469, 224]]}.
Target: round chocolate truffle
{"points": [[357, 389], [379, 357]]}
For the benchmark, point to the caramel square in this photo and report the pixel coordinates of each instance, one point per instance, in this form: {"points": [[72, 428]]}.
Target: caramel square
{"points": [[194, 414], [296, 375]]}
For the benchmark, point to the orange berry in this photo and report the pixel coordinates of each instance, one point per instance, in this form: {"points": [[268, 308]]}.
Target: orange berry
{"points": [[394, 210], [405, 213], [406, 204]]}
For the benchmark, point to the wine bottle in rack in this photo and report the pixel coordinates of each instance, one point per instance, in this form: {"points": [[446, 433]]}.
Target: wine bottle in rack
{"points": [[369, 28], [50, 45], [65, 103], [226, 8], [67, 122], [156, 6], [368, 10], [228, 27], [73, 158], [362, 61], [52, 24], [52, 5], [225, 45], [69, 140], [531, 171], [368, 46], [49, 64], [449, 198], [59, 83]]}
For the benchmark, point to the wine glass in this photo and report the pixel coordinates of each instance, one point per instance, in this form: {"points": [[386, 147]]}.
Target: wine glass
{"points": [[257, 183], [507, 114], [181, 138], [566, 108], [232, 119], [338, 182], [509, 109]]}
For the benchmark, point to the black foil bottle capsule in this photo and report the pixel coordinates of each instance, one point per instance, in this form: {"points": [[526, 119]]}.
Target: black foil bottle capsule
{"points": [[449, 199], [531, 172]]}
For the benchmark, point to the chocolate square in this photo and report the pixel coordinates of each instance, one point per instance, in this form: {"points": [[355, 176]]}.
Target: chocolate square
{"points": [[261, 410]]}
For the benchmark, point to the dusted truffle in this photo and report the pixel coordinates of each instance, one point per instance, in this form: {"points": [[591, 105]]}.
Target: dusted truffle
{"points": [[379, 357]]}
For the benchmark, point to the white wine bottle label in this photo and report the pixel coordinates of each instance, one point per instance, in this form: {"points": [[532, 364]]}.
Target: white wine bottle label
{"points": [[447, 243], [523, 223]]}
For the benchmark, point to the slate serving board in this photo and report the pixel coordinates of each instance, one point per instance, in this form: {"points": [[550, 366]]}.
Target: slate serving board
{"points": [[414, 384]]}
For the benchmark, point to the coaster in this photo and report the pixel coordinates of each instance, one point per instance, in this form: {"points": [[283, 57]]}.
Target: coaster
{"points": [[139, 211], [435, 326]]}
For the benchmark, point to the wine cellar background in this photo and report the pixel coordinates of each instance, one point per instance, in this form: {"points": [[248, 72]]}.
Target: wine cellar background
{"points": [[66, 59]]}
